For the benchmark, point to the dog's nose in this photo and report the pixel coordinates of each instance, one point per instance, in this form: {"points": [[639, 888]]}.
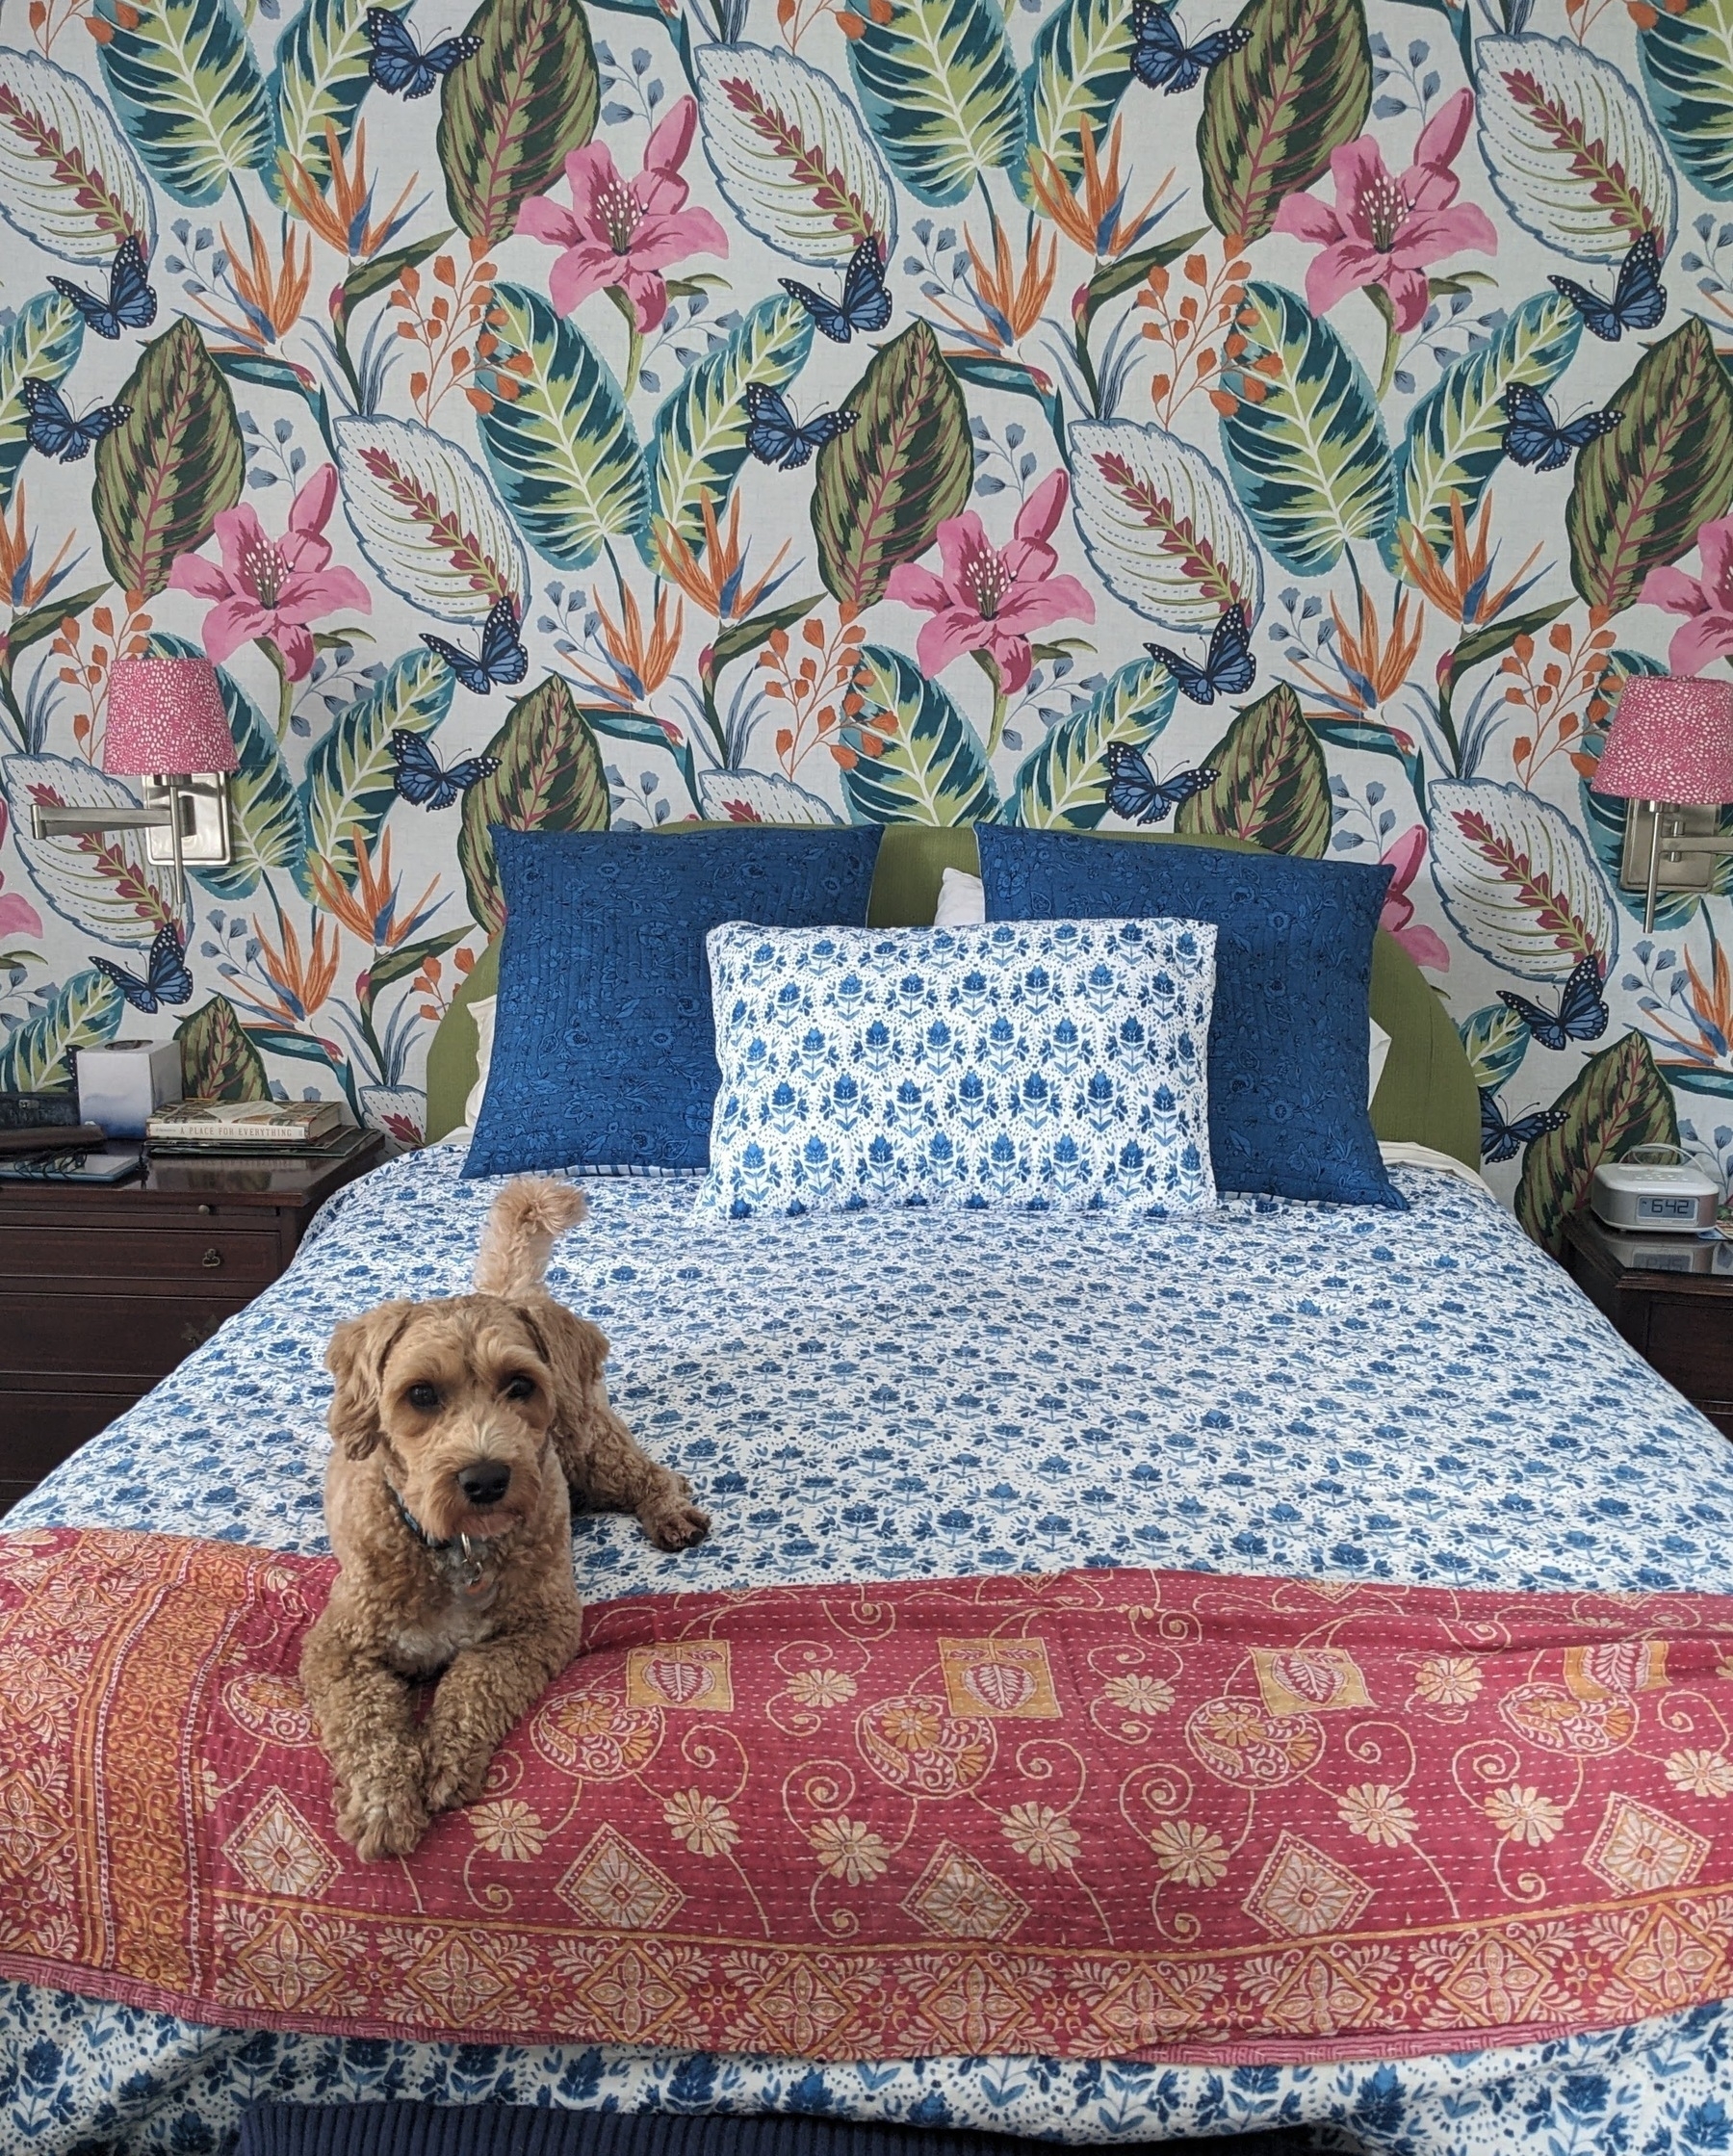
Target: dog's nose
{"points": [[484, 1482]]}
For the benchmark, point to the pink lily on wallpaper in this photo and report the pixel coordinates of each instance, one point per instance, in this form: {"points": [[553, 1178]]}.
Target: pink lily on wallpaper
{"points": [[625, 232], [1706, 601], [269, 590], [17, 916], [1384, 230], [989, 598], [1423, 944]]}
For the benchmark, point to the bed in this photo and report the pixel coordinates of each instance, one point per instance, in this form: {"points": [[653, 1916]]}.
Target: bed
{"points": [[1273, 1388]]}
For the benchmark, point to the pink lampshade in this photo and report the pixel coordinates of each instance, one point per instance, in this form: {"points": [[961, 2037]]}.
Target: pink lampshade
{"points": [[165, 716], [1671, 740]]}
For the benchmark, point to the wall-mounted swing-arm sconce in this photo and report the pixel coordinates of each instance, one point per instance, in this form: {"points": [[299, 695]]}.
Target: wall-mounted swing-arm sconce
{"points": [[167, 725], [1670, 753]]}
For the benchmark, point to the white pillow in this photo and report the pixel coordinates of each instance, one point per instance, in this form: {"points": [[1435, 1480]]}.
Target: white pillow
{"points": [[963, 903], [482, 1010], [1042, 1064], [962, 900]]}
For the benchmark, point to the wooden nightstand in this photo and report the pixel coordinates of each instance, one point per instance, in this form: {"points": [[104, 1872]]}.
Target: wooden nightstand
{"points": [[1671, 1298], [103, 1289]]}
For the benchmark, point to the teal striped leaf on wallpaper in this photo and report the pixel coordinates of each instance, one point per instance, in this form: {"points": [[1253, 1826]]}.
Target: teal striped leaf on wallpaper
{"points": [[187, 90], [942, 93]]}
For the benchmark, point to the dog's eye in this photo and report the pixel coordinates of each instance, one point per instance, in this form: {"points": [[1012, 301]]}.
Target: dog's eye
{"points": [[520, 1387], [423, 1396]]}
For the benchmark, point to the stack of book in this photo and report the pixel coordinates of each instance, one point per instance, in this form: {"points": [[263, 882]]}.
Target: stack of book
{"points": [[318, 1130]]}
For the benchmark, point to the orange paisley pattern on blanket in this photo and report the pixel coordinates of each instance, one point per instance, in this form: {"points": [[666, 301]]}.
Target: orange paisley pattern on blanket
{"points": [[1172, 1816]]}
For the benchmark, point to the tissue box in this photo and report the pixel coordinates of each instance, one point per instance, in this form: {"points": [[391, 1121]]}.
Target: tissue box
{"points": [[122, 1086]]}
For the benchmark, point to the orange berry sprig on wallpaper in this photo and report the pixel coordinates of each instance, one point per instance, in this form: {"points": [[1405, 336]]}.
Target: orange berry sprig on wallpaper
{"points": [[451, 328]]}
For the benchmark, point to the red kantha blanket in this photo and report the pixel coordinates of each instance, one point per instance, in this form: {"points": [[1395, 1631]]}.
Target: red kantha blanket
{"points": [[1172, 1816]]}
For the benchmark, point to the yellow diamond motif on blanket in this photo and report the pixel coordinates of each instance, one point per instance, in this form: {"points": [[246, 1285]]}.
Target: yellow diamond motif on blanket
{"points": [[1494, 1984], [960, 1899], [283, 1968], [1162, 2002], [1317, 1997], [1667, 1964], [631, 1995], [800, 2009], [275, 1850], [1638, 1850], [969, 2008], [1009, 1678], [1302, 1892], [613, 1883]]}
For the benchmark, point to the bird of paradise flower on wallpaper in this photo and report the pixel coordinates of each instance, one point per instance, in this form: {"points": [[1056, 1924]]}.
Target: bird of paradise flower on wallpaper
{"points": [[920, 411]]}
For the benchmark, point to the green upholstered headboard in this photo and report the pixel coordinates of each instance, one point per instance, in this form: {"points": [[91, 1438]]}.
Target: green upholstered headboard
{"points": [[1427, 1094]]}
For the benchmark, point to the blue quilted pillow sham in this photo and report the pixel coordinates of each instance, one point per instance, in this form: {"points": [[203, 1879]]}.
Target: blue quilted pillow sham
{"points": [[1287, 1042], [603, 1042], [1045, 1065]]}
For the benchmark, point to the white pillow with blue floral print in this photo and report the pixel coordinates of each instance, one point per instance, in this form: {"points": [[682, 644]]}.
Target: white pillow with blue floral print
{"points": [[1032, 1063]]}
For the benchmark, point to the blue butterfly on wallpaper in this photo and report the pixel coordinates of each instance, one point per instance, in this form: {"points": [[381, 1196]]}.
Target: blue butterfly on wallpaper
{"points": [[1135, 792], [502, 660], [1582, 1014], [1637, 301], [424, 782], [775, 436], [52, 428], [1503, 1141], [1228, 668], [1534, 437], [1162, 58], [131, 304], [866, 303], [399, 64], [166, 978]]}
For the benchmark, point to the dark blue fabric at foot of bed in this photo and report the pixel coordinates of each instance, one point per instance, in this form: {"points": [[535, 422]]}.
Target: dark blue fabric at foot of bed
{"points": [[402, 2129]]}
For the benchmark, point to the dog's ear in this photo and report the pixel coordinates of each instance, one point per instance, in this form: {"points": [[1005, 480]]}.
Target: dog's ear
{"points": [[574, 1350], [357, 1359], [526, 1219]]}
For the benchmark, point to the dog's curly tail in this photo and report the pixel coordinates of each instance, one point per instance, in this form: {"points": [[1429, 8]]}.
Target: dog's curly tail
{"points": [[527, 1220]]}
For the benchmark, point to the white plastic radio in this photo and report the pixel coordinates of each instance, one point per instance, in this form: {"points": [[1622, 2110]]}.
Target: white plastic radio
{"points": [[1672, 1196]]}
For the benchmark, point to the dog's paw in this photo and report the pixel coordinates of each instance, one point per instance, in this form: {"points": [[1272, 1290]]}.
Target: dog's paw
{"points": [[382, 1820], [455, 1777], [674, 1525]]}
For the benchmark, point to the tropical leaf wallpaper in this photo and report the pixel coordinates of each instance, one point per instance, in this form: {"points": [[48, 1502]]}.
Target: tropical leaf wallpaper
{"points": [[1064, 411]]}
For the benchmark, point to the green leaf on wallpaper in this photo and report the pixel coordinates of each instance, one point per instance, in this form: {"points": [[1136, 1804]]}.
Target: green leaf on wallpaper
{"points": [[319, 82], [941, 94], [1641, 492], [70, 180], [82, 1011], [509, 114], [172, 466], [1686, 61], [268, 828], [549, 779], [1617, 1099], [350, 780], [219, 1062], [557, 435], [43, 340], [884, 487], [1062, 784], [699, 441], [1495, 1040], [1270, 784], [1454, 438], [1077, 73], [187, 90], [1309, 458], [933, 766], [1273, 112]]}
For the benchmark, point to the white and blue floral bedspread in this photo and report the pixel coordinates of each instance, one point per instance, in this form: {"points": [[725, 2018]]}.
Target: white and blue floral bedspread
{"points": [[1269, 1387]]}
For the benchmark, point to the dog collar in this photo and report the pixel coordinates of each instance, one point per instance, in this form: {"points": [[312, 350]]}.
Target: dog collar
{"points": [[461, 1558]]}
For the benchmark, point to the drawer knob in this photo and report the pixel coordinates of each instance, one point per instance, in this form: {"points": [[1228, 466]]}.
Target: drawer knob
{"points": [[211, 1260]]}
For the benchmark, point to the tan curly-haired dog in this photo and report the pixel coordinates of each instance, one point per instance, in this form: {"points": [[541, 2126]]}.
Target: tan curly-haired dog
{"points": [[458, 1429]]}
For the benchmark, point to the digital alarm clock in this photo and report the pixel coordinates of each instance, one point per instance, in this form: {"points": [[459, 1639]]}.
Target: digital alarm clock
{"points": [[1672, 1196]]}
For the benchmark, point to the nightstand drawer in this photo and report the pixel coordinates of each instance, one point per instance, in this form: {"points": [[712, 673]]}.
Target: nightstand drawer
{"points": [[149, 1260], [1691, 1339], [109, 1335]]}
